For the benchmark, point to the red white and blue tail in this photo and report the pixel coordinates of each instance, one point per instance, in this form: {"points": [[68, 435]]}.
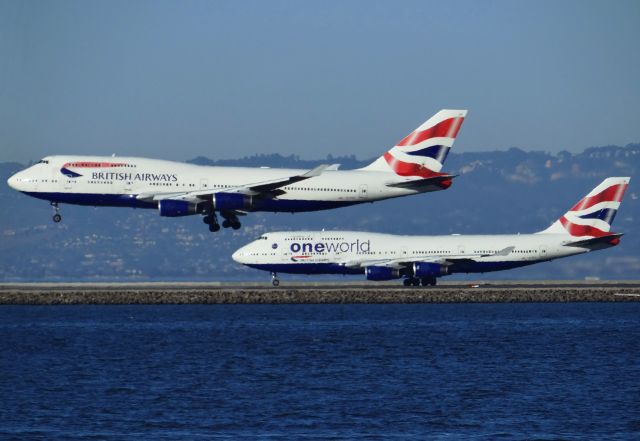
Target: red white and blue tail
{"points": [[593, 215], [422, 153]]}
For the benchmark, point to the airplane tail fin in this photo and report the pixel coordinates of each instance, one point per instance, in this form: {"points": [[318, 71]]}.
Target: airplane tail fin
{"points": [[422, 153], [592, 215]]}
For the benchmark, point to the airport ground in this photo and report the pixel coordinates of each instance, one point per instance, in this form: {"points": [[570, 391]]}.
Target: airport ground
{"points": [[314, 293]]}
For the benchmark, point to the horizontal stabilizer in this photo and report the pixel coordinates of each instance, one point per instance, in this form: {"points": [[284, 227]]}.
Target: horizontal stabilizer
{"points": [[610, 239], [442, 180]]}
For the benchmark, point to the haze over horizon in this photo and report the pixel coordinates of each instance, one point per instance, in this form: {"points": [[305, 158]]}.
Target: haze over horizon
{"points": [[177, 80]]}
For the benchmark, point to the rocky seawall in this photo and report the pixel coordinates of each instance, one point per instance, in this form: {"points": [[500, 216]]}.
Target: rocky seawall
{"points": [[298, 295]]}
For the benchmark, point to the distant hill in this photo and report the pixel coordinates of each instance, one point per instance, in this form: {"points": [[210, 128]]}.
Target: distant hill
{"points": [[497, 192]]}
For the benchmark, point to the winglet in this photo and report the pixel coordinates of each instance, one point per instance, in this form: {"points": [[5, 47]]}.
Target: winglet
{"points": [[316, 171], [503, 252]]}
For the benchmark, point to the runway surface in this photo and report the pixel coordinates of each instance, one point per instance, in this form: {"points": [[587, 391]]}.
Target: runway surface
{"points": [[312, 293]]}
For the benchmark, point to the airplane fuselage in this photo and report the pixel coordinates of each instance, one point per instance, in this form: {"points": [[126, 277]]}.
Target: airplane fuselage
{"points": [[124, 181], [350, 252]]}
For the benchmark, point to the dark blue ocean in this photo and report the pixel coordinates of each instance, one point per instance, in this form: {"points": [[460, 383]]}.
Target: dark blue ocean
{"points": [[467, 371]]}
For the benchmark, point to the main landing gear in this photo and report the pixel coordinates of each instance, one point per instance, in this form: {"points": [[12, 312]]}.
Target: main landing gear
{"points": [[56, 212], [414, 281], [274, 279], [230, 220], [212, 220]]}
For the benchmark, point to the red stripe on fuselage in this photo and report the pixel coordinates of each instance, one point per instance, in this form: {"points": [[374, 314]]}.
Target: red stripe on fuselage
{"points": [[611, 194], [85, 164], [448, 128]]}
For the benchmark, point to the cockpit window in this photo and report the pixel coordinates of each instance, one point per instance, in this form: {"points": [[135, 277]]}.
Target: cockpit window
{"points": [[43, 161]]}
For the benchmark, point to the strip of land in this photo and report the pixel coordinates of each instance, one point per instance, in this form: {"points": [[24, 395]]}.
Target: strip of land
{"points": [[217, 293]]}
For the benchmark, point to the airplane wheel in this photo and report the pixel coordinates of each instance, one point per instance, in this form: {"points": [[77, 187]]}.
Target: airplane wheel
{"points": [[226, 224], [406, 282], [57, 218], [206, 220], [275, 282], [415, 282], [236, 225], [428, 281], [214, 227]]}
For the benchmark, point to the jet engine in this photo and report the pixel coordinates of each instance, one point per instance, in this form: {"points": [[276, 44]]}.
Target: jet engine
{"points": [[429, 269], [382, 273], [232, 201], [175, 208]]}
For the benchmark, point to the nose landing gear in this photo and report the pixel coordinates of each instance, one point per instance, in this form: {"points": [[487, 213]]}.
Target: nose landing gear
{"points": [[274, 279], [56, 212]]}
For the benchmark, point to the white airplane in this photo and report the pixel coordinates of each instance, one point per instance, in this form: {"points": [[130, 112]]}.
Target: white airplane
{"points": [[177, 189], [421, 259]]}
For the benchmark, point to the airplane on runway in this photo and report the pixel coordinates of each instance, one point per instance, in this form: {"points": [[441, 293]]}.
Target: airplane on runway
{"points": [[412, 166], [421, 259]]}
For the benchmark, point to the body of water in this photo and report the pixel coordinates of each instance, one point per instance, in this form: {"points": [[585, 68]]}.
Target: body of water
{"points": [[463, 371]]}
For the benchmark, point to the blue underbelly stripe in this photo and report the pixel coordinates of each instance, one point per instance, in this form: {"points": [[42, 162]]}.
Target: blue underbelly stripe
{"points": [[334, 268], [123, 200], [107, 200]]}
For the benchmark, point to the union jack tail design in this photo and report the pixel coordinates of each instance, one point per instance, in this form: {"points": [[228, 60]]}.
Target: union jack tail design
{"points": [[592, 215], [422, 153]]}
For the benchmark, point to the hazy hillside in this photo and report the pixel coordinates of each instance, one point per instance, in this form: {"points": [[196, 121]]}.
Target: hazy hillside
{"points": [[496, 192]]}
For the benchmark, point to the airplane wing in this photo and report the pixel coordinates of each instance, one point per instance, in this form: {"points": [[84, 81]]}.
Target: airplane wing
{"points": [[270, 188], [395, 263], [403, 262]]}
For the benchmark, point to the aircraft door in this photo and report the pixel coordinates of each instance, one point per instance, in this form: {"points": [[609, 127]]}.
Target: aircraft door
{"points": [[204, 184], [542, 251], [363, 191], [461, 250], [58, 180]]}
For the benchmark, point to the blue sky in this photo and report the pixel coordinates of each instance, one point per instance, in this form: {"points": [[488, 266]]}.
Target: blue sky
{"points": [[226, 79]]}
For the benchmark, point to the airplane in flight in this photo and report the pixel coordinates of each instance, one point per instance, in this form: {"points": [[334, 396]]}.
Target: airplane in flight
{"points": [[412, 166], [421, 259]]}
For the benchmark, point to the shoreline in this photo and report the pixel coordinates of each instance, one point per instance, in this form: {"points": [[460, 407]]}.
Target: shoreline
{"points": [[261, 293]]}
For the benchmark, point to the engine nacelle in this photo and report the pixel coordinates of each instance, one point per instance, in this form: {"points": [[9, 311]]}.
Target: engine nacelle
{"points": [[232, 201], [382, 273], [429, 269], [175, 208]]}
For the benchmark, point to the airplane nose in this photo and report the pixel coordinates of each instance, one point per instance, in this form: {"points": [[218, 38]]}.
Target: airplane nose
{"points": [[241, 255], [13, 182]]}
